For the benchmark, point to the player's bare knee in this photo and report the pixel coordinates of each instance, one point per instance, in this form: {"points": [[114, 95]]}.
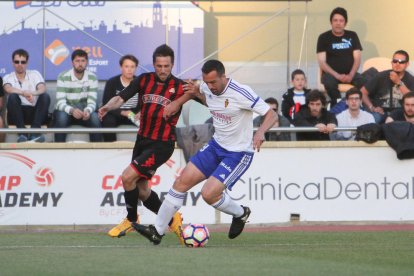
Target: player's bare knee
{"points": [[128, 181], [208, 196], [179, 185]]}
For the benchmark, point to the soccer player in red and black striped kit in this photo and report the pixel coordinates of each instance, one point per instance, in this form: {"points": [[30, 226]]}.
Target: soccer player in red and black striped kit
{"points": [[161, 96]]}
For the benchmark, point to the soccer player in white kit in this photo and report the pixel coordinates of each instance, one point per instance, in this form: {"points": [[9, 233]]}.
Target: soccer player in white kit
{"points": [[227, 155]]}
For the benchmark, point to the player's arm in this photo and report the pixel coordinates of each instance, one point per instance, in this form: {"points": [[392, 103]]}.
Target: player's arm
{"points": [[190, 89], [123, 96], [269, 119], [113, 103], [194, 89]]}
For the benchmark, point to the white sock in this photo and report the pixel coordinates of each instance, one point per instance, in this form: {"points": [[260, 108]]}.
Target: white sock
{"points": [[171, 204], [228, 206]]}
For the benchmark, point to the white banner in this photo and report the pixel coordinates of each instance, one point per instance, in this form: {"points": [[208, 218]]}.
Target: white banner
{"points": [[83, 186]]}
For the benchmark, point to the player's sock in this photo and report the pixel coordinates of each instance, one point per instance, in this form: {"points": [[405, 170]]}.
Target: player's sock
{"points": [[153, 202], [228, 206], [131, 202], [171, 204]]}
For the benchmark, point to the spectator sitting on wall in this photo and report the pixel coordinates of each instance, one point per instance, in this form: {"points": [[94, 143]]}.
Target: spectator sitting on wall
{"points": [[27, 102], [128, 113], [76, 95]]}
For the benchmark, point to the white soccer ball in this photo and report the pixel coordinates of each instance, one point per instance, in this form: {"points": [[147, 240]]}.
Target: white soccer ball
{"points": [[196, 235]]}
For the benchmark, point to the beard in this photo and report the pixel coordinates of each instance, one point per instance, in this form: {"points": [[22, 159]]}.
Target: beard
{"points": [[410, 116], [79, 70]]}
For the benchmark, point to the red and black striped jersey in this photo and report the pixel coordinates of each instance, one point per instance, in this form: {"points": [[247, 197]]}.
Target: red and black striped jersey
{"points": [[153, 96]]}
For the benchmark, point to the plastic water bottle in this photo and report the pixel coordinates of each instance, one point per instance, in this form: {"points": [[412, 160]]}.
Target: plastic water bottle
{"points": [[131, 117]]}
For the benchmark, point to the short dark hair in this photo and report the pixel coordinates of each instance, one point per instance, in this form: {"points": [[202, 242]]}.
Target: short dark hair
{"points": [[297, 72], [407, 96], [353, 91], [314, 96], [163, 51], [129, 57], [340, 11], [402, 52], [213, 65], [21, 52], [79, 53], [272, 100]]}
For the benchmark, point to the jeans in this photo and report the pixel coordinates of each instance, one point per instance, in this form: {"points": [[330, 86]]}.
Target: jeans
{"points": [[113, 120], [35, 116], [379, 118], [331, 85], [63, 120]]}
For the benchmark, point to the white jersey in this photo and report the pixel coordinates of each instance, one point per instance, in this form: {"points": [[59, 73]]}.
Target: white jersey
{"points": [[31, 81], [232, 113]]}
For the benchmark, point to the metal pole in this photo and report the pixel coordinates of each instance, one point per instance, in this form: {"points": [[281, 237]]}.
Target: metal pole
{"points": [[288, 48]]}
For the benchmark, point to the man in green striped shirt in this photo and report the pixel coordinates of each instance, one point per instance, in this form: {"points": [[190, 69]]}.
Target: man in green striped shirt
{"points": [[76, 96]]}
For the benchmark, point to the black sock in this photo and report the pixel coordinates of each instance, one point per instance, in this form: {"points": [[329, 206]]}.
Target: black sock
{"points": [[153, 202], [131, 201]]}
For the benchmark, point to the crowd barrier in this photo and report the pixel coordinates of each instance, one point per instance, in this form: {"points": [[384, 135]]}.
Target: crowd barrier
{"points": [[80, 184]]}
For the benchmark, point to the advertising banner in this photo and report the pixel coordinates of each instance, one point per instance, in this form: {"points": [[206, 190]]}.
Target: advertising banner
{"points": [[51, 30], [83, 186]]}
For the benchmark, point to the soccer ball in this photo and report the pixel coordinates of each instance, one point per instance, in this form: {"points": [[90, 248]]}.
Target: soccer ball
{"points": [[196, 235]]}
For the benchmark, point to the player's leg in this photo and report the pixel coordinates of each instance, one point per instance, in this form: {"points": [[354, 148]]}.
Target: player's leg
{"points": [[152, 202], [189, 177], [230, 169], [131, 194]]}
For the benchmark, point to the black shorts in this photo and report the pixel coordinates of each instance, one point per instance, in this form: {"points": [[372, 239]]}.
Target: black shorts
{"points": [[149, 155]]}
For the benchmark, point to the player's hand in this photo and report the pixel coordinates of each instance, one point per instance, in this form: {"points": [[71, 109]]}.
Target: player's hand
{"points": [[170, 110], [258, 140], [102, 112], [191, 88]]}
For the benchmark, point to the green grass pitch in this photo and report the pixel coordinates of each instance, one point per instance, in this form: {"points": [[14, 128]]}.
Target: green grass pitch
{"points": [[253, 253]]}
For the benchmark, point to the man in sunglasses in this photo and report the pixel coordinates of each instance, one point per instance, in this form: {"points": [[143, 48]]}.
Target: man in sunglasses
{"points": [[27, 103], [383, 93]]}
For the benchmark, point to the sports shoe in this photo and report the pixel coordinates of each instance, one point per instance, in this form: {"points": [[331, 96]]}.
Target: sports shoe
{"points": [[237, 224], [148, 232], [37, 138], [177, 226], [22, 138], [121, 229]]}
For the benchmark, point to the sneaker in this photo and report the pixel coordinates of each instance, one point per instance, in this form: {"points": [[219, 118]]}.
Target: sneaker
{"points": [[237, 224], [148, 232], [121, 229], [22, 138], [37, 138], [177, 226]]}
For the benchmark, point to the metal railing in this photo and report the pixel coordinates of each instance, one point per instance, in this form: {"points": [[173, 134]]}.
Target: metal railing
{"points": [[134, 130]]}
